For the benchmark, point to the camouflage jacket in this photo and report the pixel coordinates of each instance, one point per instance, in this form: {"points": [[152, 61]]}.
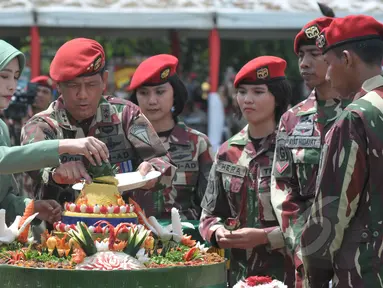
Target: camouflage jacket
{"points": [[191, 151], [239, 185], [343, 236], [299, 141], [129, 136]]}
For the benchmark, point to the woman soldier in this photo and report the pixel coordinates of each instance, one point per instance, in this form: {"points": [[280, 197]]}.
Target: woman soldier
{"points": [[238, 192], [34, 156], [161, 95]]}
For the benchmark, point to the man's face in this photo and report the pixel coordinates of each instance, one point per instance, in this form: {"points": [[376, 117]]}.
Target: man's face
{"points": [[312, 66], [82, 95], [338, 74], [43, 98]]}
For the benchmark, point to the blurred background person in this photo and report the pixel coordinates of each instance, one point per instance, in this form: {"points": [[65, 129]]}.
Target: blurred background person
{"points": [[44, 95]]}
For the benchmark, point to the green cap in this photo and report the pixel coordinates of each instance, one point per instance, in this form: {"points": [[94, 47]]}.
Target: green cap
{"points": [[8, 53]]}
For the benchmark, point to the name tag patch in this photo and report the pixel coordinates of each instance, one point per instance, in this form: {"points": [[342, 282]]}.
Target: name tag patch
{"points": [[229, 168], [303, 142], [69, 158], [118, 156], [265, 171], [188, 166]]}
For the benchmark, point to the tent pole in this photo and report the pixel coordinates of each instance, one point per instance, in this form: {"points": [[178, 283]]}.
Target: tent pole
{"points": [[175, 43], [216, 113], [35, 48], [214, 58]]}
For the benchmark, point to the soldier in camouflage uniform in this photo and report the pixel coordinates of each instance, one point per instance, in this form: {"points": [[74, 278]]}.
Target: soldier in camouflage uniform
{"points": [[299, 141], [343, 236], [18, 159], [161, 95], [238, 191], [81, 110]]}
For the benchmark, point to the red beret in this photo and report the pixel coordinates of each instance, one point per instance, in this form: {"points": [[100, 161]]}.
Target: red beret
{"points": [[311, 31], [77, 57], [154, 71], [261, 70], [349, 29], [43, 81]]}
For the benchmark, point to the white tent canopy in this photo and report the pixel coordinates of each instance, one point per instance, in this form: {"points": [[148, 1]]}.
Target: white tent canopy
{"points": [[153, 18]]}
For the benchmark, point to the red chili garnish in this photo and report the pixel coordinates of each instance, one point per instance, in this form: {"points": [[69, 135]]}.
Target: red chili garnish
{"points": [[258, 280], [189, 255]]}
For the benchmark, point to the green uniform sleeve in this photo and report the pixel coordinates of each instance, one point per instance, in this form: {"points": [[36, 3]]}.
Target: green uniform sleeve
{"points": [[29, 157], [26, 158], [14, 205]]}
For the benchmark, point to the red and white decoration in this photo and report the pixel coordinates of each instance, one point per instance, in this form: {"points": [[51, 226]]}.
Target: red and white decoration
{"points": [[259, 282], [107, 261], [99, 209]]}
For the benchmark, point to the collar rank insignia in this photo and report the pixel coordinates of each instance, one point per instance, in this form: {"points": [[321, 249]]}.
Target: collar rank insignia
{"points": [[321, 41], [165, 73], [262, 73], [312, 32]]}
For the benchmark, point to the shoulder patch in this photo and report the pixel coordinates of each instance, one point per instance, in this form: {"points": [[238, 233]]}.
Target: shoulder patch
{"points": [[232, 169], [140, 131], [283, 159]]}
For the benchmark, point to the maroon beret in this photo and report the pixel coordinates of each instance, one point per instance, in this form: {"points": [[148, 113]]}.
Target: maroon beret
{"points": [[349, 29], [311, 31], [261, 70], [77, 57], [154, 71]]}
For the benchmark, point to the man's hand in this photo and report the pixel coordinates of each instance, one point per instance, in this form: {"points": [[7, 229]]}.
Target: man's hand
{"points": [[245, 238], [145, 168], [220, 237], [70, 173], [90, 147], [49, 210]]}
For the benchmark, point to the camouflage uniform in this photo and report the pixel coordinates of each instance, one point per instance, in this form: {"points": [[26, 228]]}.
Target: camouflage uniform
{"points": [[239, 185], [191, 151], [299, 141], [348, 202], [129, 136]]}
